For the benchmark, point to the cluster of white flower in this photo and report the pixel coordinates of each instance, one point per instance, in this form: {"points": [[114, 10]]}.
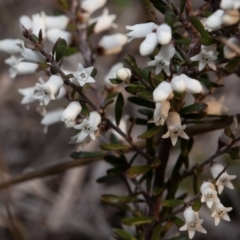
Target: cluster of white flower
{"points": [[209, 195]]}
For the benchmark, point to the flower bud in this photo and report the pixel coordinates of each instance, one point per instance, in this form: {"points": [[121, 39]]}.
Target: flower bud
{"points": [[71, 112], [173, 119], [164, 34], [26, 22], [54, 84], [161, 112], [214, 21], [149, 44], [59, 22], [230, 17], [11, 46], [91, 6], [140, 30], [112, 44], [193, 86], [227, 4], [124, 74], [38, 23], [229, 52], [54, 34], [178, 84], [162, 92]]}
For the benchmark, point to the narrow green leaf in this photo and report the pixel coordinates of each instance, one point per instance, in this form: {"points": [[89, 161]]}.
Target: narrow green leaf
{"points": [[233, 65], [234, 153], [184, 41], [116, 171], [90, 29], [228, 132], [172, 203], [70, 51], [141, 102], [87, 155], [169, 16], [137, 220], [114, 147], [182, 5], [146, 112], [139, 121], [135, 171], [197, 205], [150, 133], [107, 103], [160, 5], [115, 161], [130, 60], [197, 107], [206, 41], [115, 81], [109, 198], [177, 221], [119, 108], [194, 115], [133, 90], [198, 26], [195, 183], [60, 48], [208, 83], [156, 232], [145, 94], [123, 234]]}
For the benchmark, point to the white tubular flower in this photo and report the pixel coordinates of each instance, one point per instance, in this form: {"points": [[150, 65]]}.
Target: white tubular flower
{"points": [[162, 59], [231, 17], [220, 212], [224, 179], [71, 112], [38, 23], [193, 86], [21, 68], [26, 22], [209, 193], [124, 74], [27, 95], [55, 33], [162, 92], [207, 56], [216, 107], [112, 44], [59, 22], [149, 44], [91, 6], [193, 223], [103, 22], [161, 113], [88, 128], [48, 91], [11, 46], [230, 4], [228, 52], [178, 84], [51, 117], [82, 76], [175, 128], [28, 55], [164, 34], [112, 74], [140, 30], [214, 21]]}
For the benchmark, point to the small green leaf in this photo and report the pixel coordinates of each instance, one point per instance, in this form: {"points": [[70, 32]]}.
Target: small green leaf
{"points": [[208, 83], [172, 203], [87, 155], [156, 232], [123, 234], [70, 51], [229, 132], [139, 121], [119, 108], [233, 65], [109, 198], [90, 29], [130, 60], [107, 103], [145, 94], [137, 220], [182, 5], [40, 36], [206, 41], [133, 90], [85, 111], [64, 3], [160, 5], [197, 107], [169, 16], [141, 102], [115, 81], [135, 171], [59, 49], [34, 37], [198, 26], [115, 161], [177, 221], [145, 111], [114, 147], [184, 41], [197, 205], [150, 133], [234, 153]]}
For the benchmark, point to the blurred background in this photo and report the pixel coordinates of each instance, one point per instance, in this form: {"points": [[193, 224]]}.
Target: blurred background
{"points": [[67, 206]]}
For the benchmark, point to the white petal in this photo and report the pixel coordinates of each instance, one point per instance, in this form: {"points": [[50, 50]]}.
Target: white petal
{"points": [[191, 233], [226, 217], [174, 140]]}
